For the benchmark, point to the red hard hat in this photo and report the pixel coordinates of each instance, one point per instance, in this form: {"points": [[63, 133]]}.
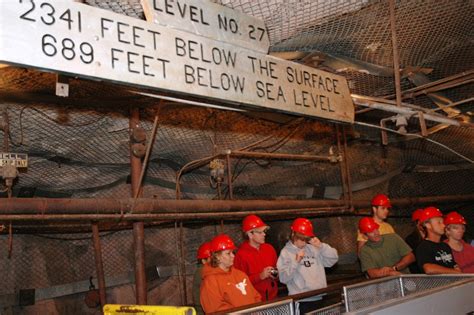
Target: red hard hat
{"points": [[415, 216], [204, 251], [367, 225], [303, 226], [454, 218], [252, 222], [381, 200], [428, 213], [222, 242]]}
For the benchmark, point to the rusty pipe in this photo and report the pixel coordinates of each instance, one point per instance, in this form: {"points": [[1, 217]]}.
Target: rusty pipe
{"points": [[348, 171], [396, 58], [138, 227], [245, 154], [98, 263], [46, 206], [230, 188], [342, 168], [139, 246], [279, 156], [176, 216]]}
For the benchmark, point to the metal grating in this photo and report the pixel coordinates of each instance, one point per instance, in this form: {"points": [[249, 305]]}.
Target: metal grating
{"points": [[415, 284], [359, 296], [278, 308], [335, 309]]}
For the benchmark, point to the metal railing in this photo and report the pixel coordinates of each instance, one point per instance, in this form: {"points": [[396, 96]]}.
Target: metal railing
{"points": [[284, 307], [366, 294], [362, 295]]}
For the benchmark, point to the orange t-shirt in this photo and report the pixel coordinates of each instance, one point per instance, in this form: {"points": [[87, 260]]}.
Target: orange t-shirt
{"points": [[221, 290]]}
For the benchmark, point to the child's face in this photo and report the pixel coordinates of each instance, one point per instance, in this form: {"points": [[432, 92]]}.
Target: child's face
{"points": [[299, 243]]}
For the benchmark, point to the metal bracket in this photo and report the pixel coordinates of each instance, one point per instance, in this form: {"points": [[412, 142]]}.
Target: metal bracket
{"points": [[421, 117], [62, 85], [384, 133]]}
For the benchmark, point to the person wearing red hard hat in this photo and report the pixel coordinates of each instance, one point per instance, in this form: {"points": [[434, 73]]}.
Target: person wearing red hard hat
{"points": [[257, 258], [203, 257], [301, 262], [415, 237], [383, 255], [223, 286], [463, 252], [380, 208], [432, 255]]}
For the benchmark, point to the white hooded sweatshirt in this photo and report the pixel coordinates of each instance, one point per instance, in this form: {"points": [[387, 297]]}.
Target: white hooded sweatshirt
{"points": [[309, 273]]}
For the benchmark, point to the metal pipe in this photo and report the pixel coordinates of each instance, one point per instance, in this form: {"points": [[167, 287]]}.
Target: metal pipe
{"points": [[406, 111], [147, 155], [348, 171], [454, 77], [138, 227], [203, 161], [278, 156], [46, 206], [229, 178], [178, 216], [453, 104], [345, 189], [440, 87], [396, 58], [177, 257], [43, 206], [289, 208], [182, 262], [140, 277], [98, 263]]}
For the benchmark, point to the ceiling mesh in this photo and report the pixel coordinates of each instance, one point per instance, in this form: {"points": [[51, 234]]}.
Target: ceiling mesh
{"points": [[78, 146]]}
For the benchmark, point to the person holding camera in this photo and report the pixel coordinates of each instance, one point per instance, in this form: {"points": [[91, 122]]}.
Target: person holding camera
{"points": [[257, 258]]}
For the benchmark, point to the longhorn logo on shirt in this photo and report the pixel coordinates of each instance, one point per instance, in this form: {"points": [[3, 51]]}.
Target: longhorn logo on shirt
{"points": [[444, 257], [241, 286]]}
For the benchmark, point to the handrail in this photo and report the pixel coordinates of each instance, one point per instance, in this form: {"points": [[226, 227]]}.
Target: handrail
{"points": [[337, 285]]}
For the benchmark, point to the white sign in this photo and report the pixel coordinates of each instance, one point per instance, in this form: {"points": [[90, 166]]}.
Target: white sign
{"points": [[210, 20], [15, 159], [81, 40]]}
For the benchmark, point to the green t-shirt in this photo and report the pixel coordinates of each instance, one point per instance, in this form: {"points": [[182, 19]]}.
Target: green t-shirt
{"points": [[385, 253]]}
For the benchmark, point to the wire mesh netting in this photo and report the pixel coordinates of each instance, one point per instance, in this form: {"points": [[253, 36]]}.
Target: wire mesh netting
{"points": [[276, 308], [363, 296], [360, 296]]}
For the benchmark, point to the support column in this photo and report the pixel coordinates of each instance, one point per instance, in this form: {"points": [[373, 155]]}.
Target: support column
{"points": [[98, 264], [138, 227]]}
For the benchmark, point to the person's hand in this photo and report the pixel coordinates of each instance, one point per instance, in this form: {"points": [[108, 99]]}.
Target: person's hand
{"points": [[266, 272], [2, 227], [299, 255], [315, 242]]}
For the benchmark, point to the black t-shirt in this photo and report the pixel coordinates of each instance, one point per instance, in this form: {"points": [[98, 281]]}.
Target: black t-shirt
{"points": [[429, 252]]}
